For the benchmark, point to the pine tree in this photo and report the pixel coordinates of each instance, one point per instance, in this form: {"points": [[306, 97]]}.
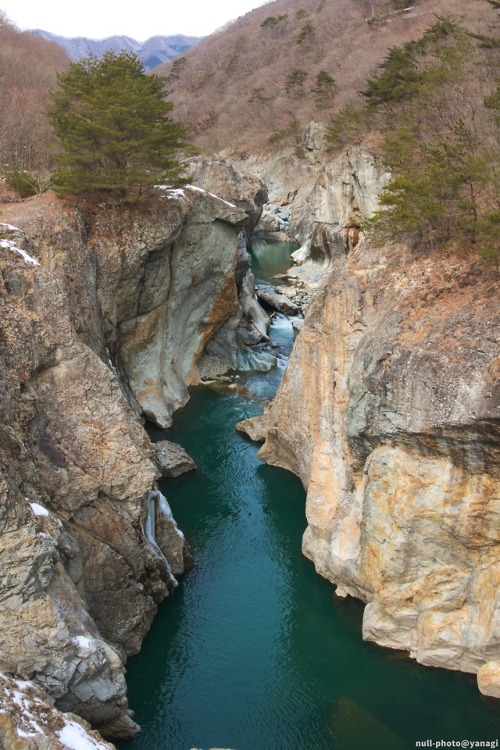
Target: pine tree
{"points": [[324, 89], [113, 127], [441, 140]]}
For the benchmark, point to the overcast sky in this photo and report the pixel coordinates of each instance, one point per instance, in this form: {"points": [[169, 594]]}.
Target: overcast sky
{"points": [[140, 20]]}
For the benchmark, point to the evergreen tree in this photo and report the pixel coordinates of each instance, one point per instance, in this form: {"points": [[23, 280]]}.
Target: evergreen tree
{"points": [[324, 89], [347, 126], [441, 140], [113, 127], [294, 81], [398, 80]]}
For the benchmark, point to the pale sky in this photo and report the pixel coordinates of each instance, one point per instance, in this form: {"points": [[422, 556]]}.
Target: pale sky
{"points": [[140, 20]]}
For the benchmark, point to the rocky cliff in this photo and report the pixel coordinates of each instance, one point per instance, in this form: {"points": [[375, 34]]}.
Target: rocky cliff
{"points": [[389, 413], [152, 286], [104, 314]]}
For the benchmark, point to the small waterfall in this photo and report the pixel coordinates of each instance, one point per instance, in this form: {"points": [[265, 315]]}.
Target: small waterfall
{"points": [[166, 511], [150, 529]]}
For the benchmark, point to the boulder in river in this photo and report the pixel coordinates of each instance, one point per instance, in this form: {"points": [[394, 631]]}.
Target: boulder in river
{"points": [[172, 459], [271, 297]]}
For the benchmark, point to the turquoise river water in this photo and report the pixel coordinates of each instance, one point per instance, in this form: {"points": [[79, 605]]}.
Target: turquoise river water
{"points": [[253, 651]]}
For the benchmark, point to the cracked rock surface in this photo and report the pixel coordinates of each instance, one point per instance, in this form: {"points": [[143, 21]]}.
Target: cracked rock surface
{"points": [[389, 413]]}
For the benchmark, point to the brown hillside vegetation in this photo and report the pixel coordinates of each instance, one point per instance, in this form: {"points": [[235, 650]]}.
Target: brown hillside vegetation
{"points": [[28, 67], [291, 61]]}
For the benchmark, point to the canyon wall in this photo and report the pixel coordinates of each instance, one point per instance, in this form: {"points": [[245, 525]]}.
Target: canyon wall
{"points": [[104, 314], [389, 413]]}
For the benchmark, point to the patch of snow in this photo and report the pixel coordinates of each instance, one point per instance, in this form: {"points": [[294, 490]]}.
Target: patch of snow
{"points": [[39, 510], [180, 193], [9, 245], [10, 228], [222, 199], [18, 699], [38, 729], [20, 733], [173, 193], [82, 641], [200, 190], [74, 737], [22, 684], [195, 187]]}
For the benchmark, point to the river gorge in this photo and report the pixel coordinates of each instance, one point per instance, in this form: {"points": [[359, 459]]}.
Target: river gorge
{"points": [[254, 650], [386, 413]]}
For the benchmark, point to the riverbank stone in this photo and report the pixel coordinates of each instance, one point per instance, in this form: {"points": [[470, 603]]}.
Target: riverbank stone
{"points": [[172, 460], [488, 679]]}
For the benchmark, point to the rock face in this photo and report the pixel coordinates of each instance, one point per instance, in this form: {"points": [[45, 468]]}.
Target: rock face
{"points": [[344, 194], [226, 180], [389, 413], [150, 289], [103, 316], [488, 679], [79, 583], [28, 721], [315, 197]]}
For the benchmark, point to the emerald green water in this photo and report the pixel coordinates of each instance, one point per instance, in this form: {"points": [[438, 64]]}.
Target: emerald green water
{"points": [[270, 258], [253, 651]]}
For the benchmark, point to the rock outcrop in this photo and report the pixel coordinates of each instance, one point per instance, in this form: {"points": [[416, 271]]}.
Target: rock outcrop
{"points": [[276, 299], [389, 413], [172, 460], [153, 286], [28, 721], [104, 315], [325, 200], [79, 582]]}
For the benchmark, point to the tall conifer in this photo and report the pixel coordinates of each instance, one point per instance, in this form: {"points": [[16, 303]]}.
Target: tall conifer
{"points": [[113, 127]]}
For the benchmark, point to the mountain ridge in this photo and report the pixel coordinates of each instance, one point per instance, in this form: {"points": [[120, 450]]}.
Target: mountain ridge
{"points": [[154, 51]]}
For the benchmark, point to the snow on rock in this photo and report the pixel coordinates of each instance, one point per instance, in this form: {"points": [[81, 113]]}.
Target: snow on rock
{"points": [[82, 642], [10, 228], [29, 721], [200, 190], [9, 245], [39, 510], [181, 193], [74, 737], [172, 193]]}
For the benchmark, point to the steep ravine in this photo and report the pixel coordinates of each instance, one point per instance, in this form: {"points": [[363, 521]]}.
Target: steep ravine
{"points": [[389, 413], [96, 306], [253, 651]]}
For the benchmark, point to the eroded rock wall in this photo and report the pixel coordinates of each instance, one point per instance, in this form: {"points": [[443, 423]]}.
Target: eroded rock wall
{"points": [[152, 285], [79, 585], [389, 413], [104, 314]]}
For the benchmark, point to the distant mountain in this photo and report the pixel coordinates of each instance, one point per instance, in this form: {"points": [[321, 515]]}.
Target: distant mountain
{"points": [[156, 50]]}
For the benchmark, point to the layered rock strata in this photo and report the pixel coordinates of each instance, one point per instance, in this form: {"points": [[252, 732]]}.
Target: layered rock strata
{"points": [[389, 413]]}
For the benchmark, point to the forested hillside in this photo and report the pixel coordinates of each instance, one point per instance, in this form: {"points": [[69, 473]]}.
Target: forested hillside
{"points": [[28, 67], [291, 61]]}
